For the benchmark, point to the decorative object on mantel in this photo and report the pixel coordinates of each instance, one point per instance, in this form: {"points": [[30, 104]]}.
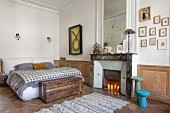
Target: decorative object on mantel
{"points": [[128, 32], [17, 36], [108, 48], [119, 49], [97, 48], [163, 32], [91, 103], [75, 40], [165, 21], [157, 19], [162, 44], [145, 14]]}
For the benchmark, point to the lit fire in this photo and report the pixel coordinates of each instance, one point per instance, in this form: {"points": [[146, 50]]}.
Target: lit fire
{"points": [[111, 87]]}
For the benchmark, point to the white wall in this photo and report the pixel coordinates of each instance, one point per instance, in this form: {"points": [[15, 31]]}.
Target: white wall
{"points": [[150, 55], [82, 13], [33, 25]]}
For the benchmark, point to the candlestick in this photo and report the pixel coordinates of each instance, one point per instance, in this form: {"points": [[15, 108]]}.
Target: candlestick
{"points": [[115, 86], [108, 86], [111, 87]]}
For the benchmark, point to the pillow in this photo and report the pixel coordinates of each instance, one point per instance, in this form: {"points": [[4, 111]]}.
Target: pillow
{"points": [[39, 66], [24, 66], [49, 65]]}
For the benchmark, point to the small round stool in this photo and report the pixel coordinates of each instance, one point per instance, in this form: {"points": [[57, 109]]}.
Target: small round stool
{"points": [[142, 97], [137, 79]]}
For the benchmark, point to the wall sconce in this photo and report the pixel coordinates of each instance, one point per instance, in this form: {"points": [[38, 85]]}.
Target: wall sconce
{"points": [[49, 39], [17, 36]]}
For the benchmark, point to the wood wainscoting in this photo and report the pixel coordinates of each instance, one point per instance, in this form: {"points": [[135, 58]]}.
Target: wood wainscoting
{"points": [[83, 66], [1, 66], [156, 80]]}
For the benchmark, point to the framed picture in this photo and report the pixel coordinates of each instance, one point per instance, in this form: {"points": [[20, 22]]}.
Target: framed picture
{"points": [[162, 44], [152, 41], [152, 31], [163, 32], [142, 31], [144, 43], [119, 48], [157, 19], [145, 14], [165, 21], [75, 40]]}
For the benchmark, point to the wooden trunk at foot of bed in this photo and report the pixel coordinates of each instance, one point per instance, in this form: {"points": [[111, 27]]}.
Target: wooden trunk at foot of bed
{"points": [[56, 89]]}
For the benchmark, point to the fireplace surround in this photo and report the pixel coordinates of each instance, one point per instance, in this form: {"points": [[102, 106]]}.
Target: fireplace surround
{"points": [[113, 57]]}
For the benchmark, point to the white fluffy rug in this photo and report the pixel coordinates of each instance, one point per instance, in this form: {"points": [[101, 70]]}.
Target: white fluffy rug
{"points": [[92, 103]]}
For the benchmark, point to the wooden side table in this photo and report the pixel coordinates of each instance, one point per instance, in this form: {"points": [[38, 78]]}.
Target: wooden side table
{"points": [[3, 78]]}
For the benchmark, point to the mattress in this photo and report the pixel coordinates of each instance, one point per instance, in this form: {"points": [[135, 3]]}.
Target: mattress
{"points": [[30, 93]]}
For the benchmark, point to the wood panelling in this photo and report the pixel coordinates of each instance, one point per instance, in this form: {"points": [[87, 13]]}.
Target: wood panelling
{"points": [[83, 66], [0, 65], [156, 80]]}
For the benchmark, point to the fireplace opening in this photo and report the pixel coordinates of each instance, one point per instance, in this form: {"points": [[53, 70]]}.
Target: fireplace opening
{"points": [[112, 81]]}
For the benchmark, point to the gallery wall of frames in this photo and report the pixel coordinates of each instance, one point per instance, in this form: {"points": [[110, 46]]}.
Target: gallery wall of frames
{"points": [[156, 35]]}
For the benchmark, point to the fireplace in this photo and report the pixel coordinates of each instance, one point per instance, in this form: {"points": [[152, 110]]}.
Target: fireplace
{"points": [[120, 62], [112, 80]]}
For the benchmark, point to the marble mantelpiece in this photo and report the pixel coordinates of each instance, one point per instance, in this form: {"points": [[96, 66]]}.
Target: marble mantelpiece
{"points": [[115, 57]]}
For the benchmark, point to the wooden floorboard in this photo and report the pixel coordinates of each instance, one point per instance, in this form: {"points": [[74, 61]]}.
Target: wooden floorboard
{"points": [[11, 103]]}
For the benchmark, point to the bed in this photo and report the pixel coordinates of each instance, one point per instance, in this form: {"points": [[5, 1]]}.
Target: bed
{"points": [[24, 81]]}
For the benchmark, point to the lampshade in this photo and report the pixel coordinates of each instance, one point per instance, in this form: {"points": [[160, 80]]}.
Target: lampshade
{"points": [[129, 31]]}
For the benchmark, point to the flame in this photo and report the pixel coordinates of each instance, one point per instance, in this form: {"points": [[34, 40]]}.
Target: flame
{"points": [[108, 86], [117, 88], [111, 87]]}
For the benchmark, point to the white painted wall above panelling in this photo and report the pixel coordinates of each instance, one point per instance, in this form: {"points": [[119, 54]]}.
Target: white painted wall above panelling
{"points": [[82, 13], [34, 26], [150, 55]]}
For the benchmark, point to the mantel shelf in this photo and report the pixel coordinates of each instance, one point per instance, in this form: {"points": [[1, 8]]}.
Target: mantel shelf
{"points": [[115, 57]]}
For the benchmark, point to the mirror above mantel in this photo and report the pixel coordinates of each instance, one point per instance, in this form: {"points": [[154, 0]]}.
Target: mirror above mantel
{"points": [[114, 23]]}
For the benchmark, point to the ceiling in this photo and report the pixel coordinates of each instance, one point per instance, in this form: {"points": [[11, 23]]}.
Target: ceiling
{"points": [[53, 4], [111, 7], [114, 8]]}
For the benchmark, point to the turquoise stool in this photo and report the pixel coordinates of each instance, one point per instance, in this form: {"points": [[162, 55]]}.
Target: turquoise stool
{"points": [[142, 97], [137, 79]]}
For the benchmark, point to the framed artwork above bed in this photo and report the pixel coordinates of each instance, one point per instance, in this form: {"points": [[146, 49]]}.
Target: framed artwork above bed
{"points": [[75, 40]]}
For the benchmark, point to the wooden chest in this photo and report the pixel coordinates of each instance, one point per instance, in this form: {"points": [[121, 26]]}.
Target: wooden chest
{"points": [[59, 88]]}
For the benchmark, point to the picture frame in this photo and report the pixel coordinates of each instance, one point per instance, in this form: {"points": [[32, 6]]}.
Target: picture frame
{"points": [[163, 32], [152, 41], [162, 44], [144, 43], [165, 21], [142, 31], [75, 40], [119, 49], [157, 19], [152, 31], [145, 14]]}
